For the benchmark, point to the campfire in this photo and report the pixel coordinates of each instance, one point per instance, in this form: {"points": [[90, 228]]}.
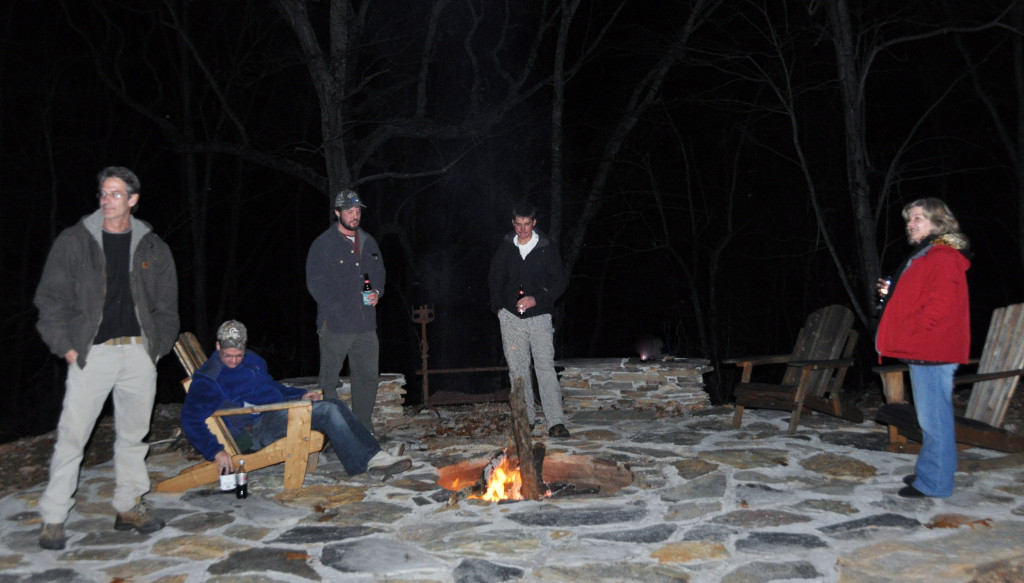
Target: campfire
{"points": [[503, 479], [523, 471], [563, 475], [499, 479]]}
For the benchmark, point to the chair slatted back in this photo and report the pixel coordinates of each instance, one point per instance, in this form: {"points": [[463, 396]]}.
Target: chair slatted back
{"points": [[1003, 351], [190, 354], [826, 335]]}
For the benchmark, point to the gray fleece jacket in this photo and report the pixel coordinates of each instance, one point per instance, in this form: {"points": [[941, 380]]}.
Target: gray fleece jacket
{"points": [[72, 289]]}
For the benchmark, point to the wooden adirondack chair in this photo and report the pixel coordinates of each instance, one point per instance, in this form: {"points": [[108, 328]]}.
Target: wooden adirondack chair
{"points": [[814, 370], [299, 450], [999, 368]]}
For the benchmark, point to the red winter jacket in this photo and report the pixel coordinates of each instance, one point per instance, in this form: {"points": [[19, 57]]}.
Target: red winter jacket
{"points": [[928, 318]]}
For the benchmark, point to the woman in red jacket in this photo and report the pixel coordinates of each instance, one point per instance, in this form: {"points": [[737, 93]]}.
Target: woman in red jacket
{"points": [[926, 324]]}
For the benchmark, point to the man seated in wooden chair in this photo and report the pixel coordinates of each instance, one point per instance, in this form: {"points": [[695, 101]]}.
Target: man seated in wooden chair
{"points": [[235, 377]]}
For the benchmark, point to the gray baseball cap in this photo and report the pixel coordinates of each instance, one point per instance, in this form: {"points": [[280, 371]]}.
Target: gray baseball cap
{"points": [[232, 334]]}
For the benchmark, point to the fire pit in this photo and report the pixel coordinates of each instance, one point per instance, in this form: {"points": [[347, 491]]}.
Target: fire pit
{"points": [[522, 471], [565, 475]]}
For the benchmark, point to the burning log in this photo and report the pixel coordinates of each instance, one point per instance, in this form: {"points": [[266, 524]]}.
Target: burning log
{"points": [[498, 479], [531, 459], [518, 471]]}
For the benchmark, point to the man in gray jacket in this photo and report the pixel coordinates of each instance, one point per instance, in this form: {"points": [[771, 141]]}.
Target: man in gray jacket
{"points": [[108, 305]]}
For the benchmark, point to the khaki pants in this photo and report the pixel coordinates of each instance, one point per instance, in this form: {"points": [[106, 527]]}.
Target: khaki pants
{"points": [[128, 372]]}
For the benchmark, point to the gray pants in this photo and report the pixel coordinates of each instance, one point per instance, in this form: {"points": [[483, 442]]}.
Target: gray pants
{"points": [[521, 338], [363, 353]]}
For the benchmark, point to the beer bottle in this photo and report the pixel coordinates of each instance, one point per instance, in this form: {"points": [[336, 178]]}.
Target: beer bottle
{"points": [[367, 289], [522, 294], [241, 481]]}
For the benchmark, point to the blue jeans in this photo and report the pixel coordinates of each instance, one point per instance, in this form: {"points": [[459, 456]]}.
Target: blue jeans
{"points": [[932, 386], [351, 442]]}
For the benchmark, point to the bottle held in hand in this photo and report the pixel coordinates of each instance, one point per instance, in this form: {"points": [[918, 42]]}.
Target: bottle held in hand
{"points": [[519, 305], [241, 481], [367, 290], [884, 289], [228, 482]]}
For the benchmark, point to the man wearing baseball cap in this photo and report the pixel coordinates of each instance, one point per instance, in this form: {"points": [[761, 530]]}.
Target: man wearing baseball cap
{"points": [[235, 376], [340, 262]]}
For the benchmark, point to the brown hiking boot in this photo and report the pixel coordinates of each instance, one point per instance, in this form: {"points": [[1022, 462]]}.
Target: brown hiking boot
{"points": [[139, 519], [51, 537]]}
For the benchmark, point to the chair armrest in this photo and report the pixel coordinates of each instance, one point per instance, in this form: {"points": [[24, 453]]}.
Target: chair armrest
{"points": [[890, 368], [754, 360], [823, 364], [260, 408], [986, 376]]}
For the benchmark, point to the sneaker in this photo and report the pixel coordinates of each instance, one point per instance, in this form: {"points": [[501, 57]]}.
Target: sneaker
{"points": [[51, 537], [137, 518], [384, 464], [558, 430]]}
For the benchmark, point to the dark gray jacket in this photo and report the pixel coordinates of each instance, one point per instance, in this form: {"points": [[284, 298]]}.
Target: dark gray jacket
{"points": [[334, 277], [72, 289]]}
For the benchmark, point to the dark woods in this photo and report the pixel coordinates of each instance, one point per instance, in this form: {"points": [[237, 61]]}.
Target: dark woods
{"points": [[712, 171]]}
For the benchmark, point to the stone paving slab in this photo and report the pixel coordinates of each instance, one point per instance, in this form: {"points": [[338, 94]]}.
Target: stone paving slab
{"points": [[708, 503]]}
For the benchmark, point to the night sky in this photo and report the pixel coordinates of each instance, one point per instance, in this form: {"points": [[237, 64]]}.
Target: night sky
{"points": [[682, 195]]}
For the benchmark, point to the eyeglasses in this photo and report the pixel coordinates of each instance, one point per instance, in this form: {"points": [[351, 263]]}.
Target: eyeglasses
{"points": [[113, 195]]}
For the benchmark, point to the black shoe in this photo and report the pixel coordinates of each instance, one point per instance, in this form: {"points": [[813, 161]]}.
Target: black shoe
{"points": [[558, 431], [911, 492], [909, 479]]}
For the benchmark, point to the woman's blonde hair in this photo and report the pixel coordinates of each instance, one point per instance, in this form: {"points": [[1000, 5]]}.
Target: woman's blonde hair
{"points": [[936, 211]]}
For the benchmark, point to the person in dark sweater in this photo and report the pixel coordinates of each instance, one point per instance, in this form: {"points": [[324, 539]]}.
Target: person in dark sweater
{"points": [[525, 279]]}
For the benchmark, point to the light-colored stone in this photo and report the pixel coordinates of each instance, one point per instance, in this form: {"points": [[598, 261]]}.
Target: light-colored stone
{"points": [[951, 558], [837, 465], [135, 570], [322, 496], [196, 547], [481, 544], [11, 561], [749, 458], [690, 551]]}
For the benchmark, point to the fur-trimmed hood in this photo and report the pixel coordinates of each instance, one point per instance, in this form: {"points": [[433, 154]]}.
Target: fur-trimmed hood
{"points": [[957, 241]]}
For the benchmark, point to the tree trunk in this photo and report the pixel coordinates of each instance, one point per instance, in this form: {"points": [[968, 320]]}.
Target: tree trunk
{"points": [[857, 163]]}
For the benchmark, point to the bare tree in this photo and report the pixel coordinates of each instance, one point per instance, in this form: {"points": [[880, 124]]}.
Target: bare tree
{"points": [[1009, 126], [643, 94], [860, 39]]}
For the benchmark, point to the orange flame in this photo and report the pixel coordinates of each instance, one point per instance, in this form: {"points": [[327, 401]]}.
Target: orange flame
{"points": [[505, 483]]}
